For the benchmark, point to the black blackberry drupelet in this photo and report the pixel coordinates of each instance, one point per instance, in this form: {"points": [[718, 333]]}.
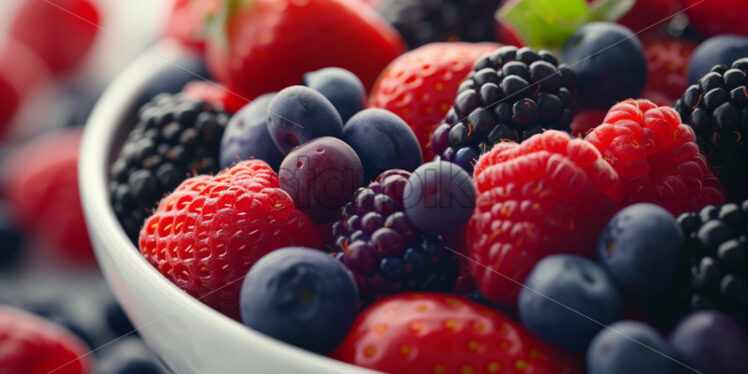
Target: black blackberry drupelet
{"points": [[510, 95], [175, 137], [717, 110], [713, 269], [426, 21], [384, 251]]}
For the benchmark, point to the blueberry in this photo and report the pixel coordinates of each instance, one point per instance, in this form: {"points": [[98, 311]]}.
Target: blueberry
{"points": [[343, 88], [383, 141], [562, 282], [321, 176], [298, 114], [247, 137], [301, 296], [609, 64], [639, 248], [10, 237], [116, 319], [129, 356], [629, 347], [439, 197], [722, 49], [711, 342], [172, 77]]}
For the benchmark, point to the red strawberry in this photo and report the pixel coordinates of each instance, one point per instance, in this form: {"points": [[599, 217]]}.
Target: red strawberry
{"points": [[548, 195], [269, 44], [648, 15], [438, 333], [214, 94], [206, 234], [32, 345], [60, 32], [420, 86], [40, 180], [667, 65], [656, 157], [187, 22], [716, 17]]}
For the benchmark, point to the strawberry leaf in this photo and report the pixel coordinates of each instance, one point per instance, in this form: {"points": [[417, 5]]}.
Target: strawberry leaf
{"points": [[609, 10]]}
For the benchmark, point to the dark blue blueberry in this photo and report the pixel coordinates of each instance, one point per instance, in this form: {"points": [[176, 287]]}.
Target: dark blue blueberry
{"points": [[562, 282], [639, 248], [382, 141], [301, 296], [172, 77], [629, 347], [129, 356], [298, 114], [343, 88], [116, 318], [711, 342], [466, 157], [247, 137], [721, 49], [10, 239], [609, 63], [393, 268], [414, 258], [439, 197]]}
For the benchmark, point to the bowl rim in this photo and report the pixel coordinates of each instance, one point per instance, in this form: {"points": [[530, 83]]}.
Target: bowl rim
{"points": [[110, 111]]}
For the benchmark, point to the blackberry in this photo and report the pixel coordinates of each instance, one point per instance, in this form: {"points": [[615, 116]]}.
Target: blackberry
{"points": [[712, 271], [385, 252], [175, 137], [717, 110], [510, 95], [426, 21]]}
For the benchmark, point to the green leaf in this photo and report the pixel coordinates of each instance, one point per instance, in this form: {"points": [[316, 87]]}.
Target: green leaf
{"points": [[609, 10], [549, 23], [219, 22]]}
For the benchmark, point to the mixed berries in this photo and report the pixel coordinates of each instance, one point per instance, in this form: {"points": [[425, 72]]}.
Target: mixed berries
{"points": [[576, 201]]}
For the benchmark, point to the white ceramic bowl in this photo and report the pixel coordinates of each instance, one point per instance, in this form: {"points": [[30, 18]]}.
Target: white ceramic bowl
{"points": [[189, 336]]}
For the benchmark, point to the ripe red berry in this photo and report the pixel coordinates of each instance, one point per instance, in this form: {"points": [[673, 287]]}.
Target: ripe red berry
{"points": [[420, 86], [186, 22], [439, 333], [40, 180], [715, 17], [656, 157], [549, 195], [206, 234], [215, 94], [32, 345], [667, 69]]}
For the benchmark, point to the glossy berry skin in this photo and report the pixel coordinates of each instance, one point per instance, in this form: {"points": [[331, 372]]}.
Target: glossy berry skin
{"points": [[667, 69], [31, 344], [619, 350], [40, 182], [421, 85], [439, 197], [721, 49], [656, 156], [128, 356], [438, 333], [609, 63], [383, 141], [562, 282], [320, 176], [639, 247], [272, 43], [719, 17], [247, 137], [301, 296], [341, 87], [548, 195], [61, 34], [206, 234], [711, 342], [298, 114]]}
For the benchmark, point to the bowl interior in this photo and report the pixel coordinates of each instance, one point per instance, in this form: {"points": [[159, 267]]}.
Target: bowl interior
{"points": [[189, 336]]}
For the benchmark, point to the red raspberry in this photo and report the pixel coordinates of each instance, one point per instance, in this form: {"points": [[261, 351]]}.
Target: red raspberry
{"points": [[32, 345], [206, 234], [667, 69], [549, 195], [40, 180], [656, 157], [421, 85]]}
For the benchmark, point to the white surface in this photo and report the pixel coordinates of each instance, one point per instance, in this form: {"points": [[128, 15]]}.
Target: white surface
{"points": [[188, 335]]}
